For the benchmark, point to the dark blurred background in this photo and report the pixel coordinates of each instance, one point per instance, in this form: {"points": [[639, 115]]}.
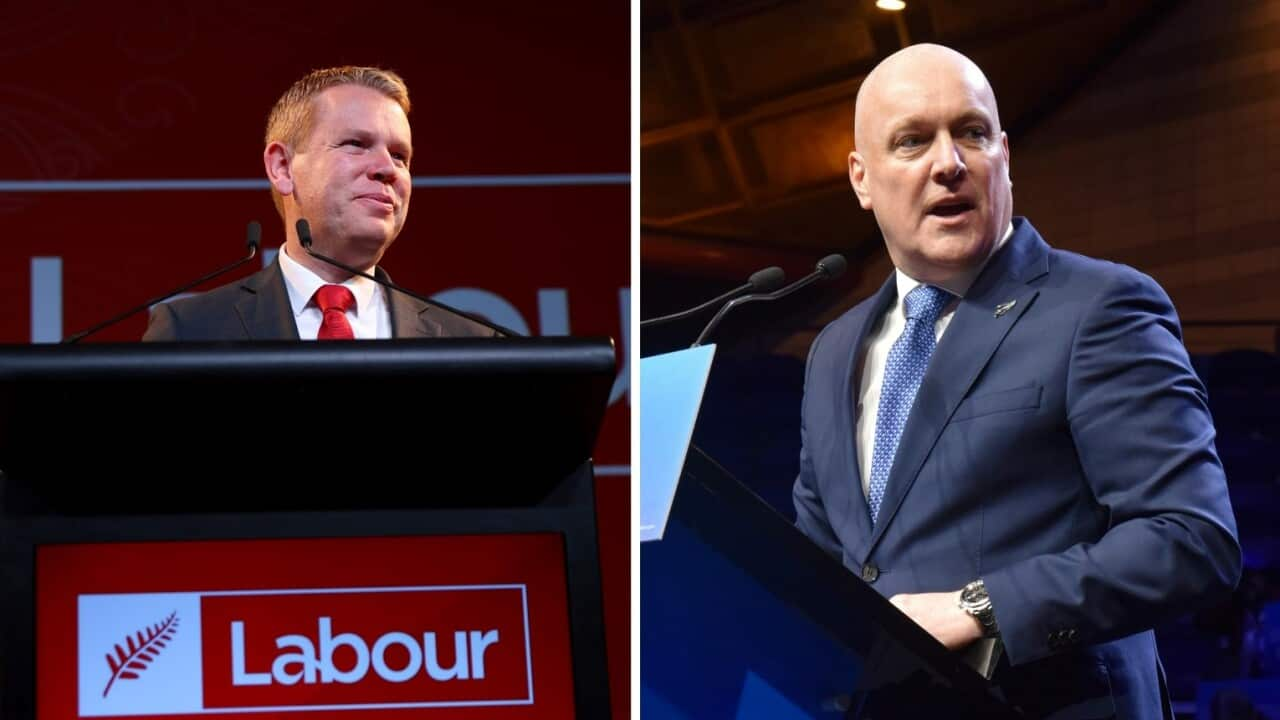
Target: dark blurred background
{"points": [[1141, 131]]}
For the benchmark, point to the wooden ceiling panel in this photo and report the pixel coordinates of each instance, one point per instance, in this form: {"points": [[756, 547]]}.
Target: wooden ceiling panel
{"points": [[668, 90], [789, 48], [968, 20], [804, 149], [821, 221], [683, 177]]}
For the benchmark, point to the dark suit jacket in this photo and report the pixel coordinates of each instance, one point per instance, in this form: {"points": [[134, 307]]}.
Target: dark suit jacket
{"points": [[257, 308], [1062, 451]]}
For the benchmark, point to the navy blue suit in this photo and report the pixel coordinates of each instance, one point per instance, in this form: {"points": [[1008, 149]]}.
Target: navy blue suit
{"points": [[1062, 451]]}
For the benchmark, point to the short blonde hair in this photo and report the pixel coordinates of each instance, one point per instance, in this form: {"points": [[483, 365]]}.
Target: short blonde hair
{"points": [[293, 115]]}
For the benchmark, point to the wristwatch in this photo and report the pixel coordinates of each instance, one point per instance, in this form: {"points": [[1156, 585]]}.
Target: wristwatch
{"points": [[975, 601]]}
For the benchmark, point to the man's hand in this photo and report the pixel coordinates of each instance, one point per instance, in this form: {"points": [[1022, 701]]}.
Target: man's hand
{"points": [[941, 616]]}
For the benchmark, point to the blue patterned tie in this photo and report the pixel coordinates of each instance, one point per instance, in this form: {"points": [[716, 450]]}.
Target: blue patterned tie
{"points": [[903, 371]]}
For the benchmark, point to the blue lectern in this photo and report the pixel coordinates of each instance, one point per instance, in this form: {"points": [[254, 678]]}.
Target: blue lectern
{"points": [[742, 617]]}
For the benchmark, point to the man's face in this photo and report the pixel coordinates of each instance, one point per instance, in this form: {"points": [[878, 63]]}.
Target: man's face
{"points": [[932, 164], [351, 175]]}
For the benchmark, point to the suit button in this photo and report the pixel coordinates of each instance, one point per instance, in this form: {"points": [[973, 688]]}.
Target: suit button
{"points": [[1073, 636], [1055, 640], [870, 572]]}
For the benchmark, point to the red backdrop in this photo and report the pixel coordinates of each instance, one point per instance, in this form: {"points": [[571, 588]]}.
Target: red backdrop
{"points": [[179, 90]]}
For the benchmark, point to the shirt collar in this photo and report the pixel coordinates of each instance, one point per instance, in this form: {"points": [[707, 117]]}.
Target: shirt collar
{"points": [[958, 284], [302, 284]]}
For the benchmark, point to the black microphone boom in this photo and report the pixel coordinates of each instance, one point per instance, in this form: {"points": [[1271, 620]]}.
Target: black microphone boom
{"points": [[760, 281], [304, 237], [253, 236], [831, 266]]}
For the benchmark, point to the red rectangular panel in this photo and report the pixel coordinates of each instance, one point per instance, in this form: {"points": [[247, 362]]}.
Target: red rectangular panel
{"points": [[397, 627]]}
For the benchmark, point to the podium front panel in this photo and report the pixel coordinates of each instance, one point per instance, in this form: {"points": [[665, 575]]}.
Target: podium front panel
{"points": [[742, 617], [123, 467], [717, 645], [461, 625], [254, 603]]}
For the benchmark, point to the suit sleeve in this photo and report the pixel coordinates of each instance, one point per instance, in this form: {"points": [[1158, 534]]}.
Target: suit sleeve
{"points": [[1139, 419], [811, 516], [162, 326]]}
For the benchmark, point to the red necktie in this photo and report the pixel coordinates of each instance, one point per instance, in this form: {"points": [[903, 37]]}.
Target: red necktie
{"points": [[334, 301]]}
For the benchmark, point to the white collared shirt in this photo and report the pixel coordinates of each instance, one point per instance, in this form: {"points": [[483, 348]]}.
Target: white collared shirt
{"points": [[875, 352], [370, 317]]}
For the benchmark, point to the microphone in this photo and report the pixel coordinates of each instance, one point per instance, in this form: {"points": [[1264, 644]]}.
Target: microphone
{"points": [[253, 236], [831, 266], [304, 237], [759, 282]]}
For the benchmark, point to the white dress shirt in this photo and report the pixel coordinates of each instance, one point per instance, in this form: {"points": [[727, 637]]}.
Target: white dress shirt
{"points": [[370, 317], [875, 352]]}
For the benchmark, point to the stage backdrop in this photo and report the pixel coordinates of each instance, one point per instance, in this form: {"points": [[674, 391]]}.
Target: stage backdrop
{"points": [[131, 161]]}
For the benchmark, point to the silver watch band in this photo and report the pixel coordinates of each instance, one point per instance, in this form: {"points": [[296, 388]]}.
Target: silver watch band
{"points": [[975, 601]]}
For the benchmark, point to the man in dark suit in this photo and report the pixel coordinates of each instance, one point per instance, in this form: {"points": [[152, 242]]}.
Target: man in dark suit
{"points": [[1008, 440], [338, 149]]}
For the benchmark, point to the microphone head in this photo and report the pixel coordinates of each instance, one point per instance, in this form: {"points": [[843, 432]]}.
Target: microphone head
{"points": [[253, 236], [304, 232], [770, 278], [833, 266]]}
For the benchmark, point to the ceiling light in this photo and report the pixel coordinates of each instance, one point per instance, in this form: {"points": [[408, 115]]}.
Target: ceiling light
{"points": [[894, 5]]}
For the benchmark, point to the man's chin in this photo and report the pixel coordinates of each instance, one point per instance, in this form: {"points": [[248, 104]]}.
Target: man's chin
{"points": [[360, 251], [961, 258], [371, 236], [951, 253]]}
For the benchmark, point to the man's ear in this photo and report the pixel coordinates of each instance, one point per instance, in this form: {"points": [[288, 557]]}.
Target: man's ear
{"points": [[278, 161], [1004, 142], [858, 179]]}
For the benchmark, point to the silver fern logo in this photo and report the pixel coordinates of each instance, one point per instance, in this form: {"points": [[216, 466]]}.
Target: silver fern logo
{"points": [[140, 649], [139, 654]]}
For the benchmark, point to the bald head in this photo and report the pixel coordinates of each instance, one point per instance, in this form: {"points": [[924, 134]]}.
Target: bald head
{"points": [[910, 67], [931, 161]]}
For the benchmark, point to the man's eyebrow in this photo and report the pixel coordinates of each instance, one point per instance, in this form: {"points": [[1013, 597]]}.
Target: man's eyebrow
{"points": [[911, 122], [914, 122], [977, 115]]}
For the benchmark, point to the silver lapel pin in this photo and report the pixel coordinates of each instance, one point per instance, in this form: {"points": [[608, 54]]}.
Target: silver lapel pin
{"points": [[1003, 308]]}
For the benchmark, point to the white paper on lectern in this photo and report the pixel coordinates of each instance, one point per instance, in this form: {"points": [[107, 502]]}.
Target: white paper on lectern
{"points": [[671, 388]]}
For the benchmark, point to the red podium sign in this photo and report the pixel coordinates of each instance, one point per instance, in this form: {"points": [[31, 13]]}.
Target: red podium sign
{"points": [[395, 627]]}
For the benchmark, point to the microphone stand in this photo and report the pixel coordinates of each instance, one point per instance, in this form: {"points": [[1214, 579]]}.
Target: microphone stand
{"points": [[761, 280], [693, 311], [253, 238], [830, 266]]}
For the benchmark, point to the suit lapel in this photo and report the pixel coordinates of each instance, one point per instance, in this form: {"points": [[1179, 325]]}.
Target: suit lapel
{"points": [[264, 308], [266, 313], [409, 316], [856, 505], [972, 337]]}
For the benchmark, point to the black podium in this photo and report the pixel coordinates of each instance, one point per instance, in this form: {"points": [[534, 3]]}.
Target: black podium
{"points": [[176, 443], [743, 617]]}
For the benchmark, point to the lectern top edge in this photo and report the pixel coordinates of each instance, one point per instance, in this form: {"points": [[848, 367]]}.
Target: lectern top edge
{"points": [[586, 356]]}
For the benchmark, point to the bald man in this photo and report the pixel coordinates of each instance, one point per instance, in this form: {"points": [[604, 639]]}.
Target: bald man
{"points": [[1008, 440]]}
